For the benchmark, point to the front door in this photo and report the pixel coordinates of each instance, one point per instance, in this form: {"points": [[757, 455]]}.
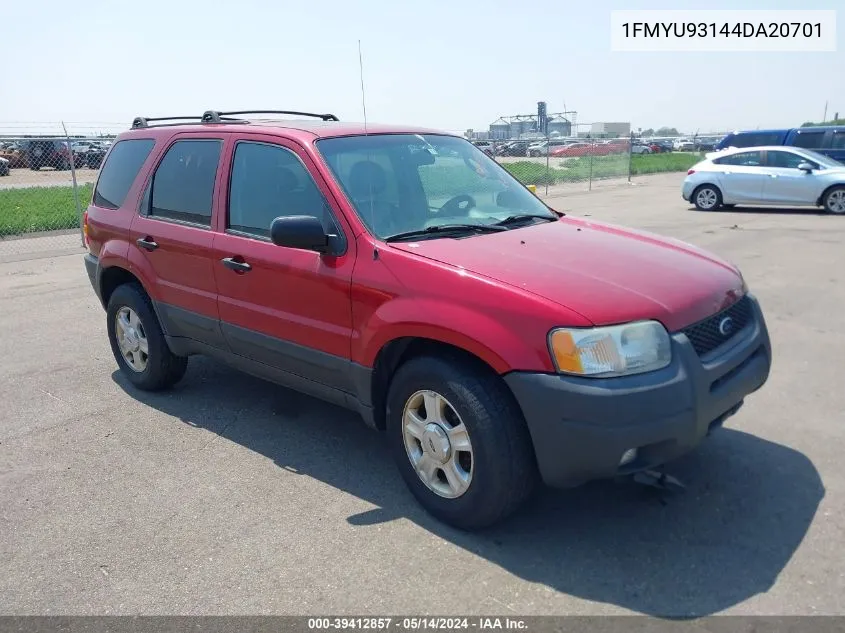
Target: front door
{"points": [[786, 184], [284, 307]]}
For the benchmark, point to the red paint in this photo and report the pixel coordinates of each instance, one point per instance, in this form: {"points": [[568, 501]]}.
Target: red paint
{"points": [[494, 295]]}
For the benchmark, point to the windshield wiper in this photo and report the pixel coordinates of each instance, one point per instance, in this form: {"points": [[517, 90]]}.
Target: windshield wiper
{"points": [[445, 228], [522, 217]]}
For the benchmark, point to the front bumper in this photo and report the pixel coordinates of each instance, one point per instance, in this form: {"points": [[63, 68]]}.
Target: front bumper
{"points": [[581, 427]]}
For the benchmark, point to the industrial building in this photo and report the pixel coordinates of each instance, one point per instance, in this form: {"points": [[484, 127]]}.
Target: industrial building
{"points": [[610, 129], [527, 126]]}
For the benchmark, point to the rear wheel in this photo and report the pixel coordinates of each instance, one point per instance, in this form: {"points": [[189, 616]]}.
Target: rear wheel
{"points": [[459, 440], [138, 343], [707, 198], [834, 201]]}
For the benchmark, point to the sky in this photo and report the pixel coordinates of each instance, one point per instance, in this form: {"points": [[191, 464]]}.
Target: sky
{"points": [[449, 64]]}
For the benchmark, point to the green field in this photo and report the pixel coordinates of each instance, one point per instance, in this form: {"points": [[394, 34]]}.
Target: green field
{"points": [[40, 209], [600, 167], [51, 208]]}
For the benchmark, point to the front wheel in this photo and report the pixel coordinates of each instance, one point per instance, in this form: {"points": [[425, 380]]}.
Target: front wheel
{"points": [[707, 198], [834, 201], [138, 343], [460, 441]]}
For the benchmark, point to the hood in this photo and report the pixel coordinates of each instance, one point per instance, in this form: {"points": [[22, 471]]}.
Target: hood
{"points": [[605, 273]]}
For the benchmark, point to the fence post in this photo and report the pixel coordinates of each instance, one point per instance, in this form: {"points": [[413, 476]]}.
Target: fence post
{"points": [[630, 155], [548, 170], [591, 150], [75, 186]]}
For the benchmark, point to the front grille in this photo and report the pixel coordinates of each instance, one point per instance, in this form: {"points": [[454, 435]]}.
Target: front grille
{"points": [[706, 335]]}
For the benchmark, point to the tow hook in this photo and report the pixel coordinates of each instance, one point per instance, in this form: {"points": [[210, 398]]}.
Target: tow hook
{"points": [[658, 480]]}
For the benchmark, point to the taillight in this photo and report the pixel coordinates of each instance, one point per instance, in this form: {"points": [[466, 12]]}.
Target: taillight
{"points": [[85, 227], [690, 172]]}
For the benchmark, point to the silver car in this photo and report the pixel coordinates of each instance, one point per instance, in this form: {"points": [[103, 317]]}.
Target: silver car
{"points": [[772, 175]]}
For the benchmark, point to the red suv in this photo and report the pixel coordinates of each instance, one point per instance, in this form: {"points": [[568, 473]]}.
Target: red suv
{"points": [[402, 273]]}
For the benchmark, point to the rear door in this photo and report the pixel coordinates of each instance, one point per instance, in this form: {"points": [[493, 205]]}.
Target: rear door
{"points": [[284, 307], [786, 184], [171, 237], [741, 176]]}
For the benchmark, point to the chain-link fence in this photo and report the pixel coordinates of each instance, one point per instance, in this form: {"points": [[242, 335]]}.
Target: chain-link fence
{"points": [[552, 165], [47, 174]]}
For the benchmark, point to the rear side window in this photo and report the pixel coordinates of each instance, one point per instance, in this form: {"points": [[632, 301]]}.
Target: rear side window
{"points": [[810, 140], [183, 184], [838, 139], [745, 159], [119, 172]]}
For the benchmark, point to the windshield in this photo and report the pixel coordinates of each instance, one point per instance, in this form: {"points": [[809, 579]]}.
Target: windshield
{"points": [[401, 183], [821, 159]]}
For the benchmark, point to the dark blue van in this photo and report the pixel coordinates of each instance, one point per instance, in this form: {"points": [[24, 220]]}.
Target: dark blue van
{"points": [[824, 140], [829, 140], [754, 138]]}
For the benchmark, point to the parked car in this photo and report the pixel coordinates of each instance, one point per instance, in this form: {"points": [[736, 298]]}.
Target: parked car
{"points": [[640, 148], [51, 153], [13, 153], [94, 156], [514, 148], [773, 175], [440, 310], [5, 170], [683, 145], [705, 144], [485, 146], [659, 146], [575, 149]]}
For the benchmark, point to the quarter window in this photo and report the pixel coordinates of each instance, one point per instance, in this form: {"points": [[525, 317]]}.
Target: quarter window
{"points": [[183, 184], [838, 140], [119, 172], [267, 182]]}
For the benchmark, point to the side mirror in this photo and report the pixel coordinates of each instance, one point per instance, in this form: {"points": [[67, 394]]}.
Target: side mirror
{"points": [[805, 166], [300, 231]]}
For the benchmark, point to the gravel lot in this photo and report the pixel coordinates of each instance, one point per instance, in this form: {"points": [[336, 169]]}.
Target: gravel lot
{"points": [[230, 495], [21, 178]]}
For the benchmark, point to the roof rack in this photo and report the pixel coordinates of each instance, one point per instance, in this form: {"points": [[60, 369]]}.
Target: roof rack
{"points": [[142, 122], [212, 116]]}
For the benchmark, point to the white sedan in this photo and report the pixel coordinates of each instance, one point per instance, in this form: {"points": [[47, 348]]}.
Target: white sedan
{"points": [[775, 175]]}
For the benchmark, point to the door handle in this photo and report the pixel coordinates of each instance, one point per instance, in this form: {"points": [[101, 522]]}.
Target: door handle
{"points": [[147, 243], [233, 264]]}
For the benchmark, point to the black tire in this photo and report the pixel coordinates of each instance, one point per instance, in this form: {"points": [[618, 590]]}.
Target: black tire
{"points": [[163, 369], [834, 193], [717, 198], [504, 470]]}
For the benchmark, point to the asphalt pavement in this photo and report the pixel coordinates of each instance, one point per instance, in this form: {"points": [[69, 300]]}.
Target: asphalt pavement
{"points": [[229, 495]]}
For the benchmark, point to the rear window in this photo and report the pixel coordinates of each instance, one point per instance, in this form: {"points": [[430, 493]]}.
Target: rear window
{"points": [[119, 172]]}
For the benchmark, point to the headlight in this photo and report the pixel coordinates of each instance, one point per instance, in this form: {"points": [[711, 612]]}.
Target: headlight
{"points": [[617, 350]]}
